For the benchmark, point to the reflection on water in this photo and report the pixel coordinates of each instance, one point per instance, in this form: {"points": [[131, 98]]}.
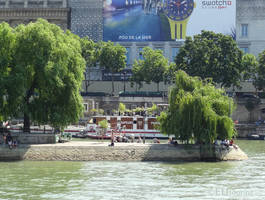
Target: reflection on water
{"points": [[137, 180]]}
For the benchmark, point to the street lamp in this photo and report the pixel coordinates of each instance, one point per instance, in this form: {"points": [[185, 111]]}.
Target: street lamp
{"points": [[124, 73]]}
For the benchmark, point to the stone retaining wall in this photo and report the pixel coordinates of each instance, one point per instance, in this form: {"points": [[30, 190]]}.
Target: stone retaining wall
{"points": [[26, 138], [120, 152]]}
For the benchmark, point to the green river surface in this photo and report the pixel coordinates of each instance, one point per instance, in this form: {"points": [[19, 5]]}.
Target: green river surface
{"points": [[64, 180]]}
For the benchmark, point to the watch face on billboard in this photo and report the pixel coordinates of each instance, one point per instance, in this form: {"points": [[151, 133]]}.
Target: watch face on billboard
{"points": [[166, 20], [179, 10]]}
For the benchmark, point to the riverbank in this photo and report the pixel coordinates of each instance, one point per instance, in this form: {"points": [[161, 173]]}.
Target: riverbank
{"points": [[97, 151]]}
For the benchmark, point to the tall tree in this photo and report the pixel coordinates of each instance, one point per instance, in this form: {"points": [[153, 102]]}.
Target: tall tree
{"points": [[7, 42], [90, 52], [137, 75], [197, 111], [47, 75], [153, 66], [250, 65], [113, 58], [211, 55], [259, 82]]}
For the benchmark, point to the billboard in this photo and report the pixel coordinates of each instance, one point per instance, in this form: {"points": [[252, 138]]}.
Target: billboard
{"points": [[166, 20]]}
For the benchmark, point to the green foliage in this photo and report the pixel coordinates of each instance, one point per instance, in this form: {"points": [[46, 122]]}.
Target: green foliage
{"points": [[103, 123], [250, 65], [113, 58], [138, 110], [46, 75], [151, 69], [90, 52], [211, 55], [101, 111], [137, 75], [94, 111], [152, 109], [7, 43], [128, 110], [259, 81], [197, 111], [169, 74], [122, 108]]}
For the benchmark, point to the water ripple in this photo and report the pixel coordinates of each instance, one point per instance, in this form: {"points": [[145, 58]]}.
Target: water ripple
{"points": [[244, 180]]}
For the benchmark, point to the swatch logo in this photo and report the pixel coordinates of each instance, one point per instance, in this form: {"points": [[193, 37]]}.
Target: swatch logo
{"points": [[219, 4]]}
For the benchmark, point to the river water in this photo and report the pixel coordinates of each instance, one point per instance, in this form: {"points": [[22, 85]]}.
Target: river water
{"points": [[240, 180]]}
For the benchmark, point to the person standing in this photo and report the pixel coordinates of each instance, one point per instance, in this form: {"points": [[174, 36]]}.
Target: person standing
{"points": [[9, 140], [112, 139]]}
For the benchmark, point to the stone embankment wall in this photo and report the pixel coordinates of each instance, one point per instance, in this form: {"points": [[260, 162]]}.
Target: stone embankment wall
{"points": [[25, 138], [85, 151]]}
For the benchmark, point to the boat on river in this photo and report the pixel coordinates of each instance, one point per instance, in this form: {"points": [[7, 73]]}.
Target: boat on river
{"points": [[256, 137], [18, 128], [136, 126]]}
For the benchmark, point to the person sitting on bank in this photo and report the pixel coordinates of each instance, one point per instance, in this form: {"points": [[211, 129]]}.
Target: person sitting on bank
{"points": [[125, 139], [170, 140], [132, 138], [215, 142], [4, 139], [15, 143], [156, 141], [139, 140], [9, 140], [231, 143]]}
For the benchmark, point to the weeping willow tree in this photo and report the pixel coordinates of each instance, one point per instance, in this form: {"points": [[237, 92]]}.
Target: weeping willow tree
{"points": [[198, 112]]}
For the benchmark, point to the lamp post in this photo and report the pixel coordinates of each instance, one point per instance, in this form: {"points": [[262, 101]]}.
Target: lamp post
{"points": [[124, 73]]}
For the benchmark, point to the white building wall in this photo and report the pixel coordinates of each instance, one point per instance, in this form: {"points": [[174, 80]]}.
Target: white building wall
{"points": [[251, 13]]}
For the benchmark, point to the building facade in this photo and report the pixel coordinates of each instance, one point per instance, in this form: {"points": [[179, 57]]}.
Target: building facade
{"points": [[86, 18], [250, 25], [17, 12]]}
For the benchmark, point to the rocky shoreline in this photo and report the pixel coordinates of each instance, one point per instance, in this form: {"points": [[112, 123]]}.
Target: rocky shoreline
{"points": [[97, 151]]}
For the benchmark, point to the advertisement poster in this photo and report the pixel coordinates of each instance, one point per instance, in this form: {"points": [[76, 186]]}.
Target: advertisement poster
{"points": [[166, 20]]}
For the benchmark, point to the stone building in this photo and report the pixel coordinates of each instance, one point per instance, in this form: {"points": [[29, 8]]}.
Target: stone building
{"points": [[16, 12], [250, 25]]}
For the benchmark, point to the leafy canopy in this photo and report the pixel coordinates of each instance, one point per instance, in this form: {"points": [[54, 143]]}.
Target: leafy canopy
{"points": [[151, 69], [7, 43], [44, 80], [113, 58], [259, 80], [197, 111], [211, 55]]}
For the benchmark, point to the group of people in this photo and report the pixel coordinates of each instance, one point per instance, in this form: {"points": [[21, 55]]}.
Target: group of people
{"points": [[10, 141], [226, 143], [123, 138]]}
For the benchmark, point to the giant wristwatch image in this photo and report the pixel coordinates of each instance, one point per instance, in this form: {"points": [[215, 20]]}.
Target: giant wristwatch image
{"points": [[178, 13]]}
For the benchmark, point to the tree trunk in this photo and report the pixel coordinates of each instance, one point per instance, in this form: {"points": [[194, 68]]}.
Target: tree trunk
{"points": [[87, 76], [26, 128], [112, 82], [30, 92]]}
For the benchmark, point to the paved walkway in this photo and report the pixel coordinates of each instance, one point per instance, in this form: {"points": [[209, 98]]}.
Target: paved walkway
{"points": [[92, 143]]}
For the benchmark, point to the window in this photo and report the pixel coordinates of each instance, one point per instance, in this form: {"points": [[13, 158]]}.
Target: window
{"points": [[245, 49], [140, 52], [244, 30], [174, 52], [128, 52]]}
